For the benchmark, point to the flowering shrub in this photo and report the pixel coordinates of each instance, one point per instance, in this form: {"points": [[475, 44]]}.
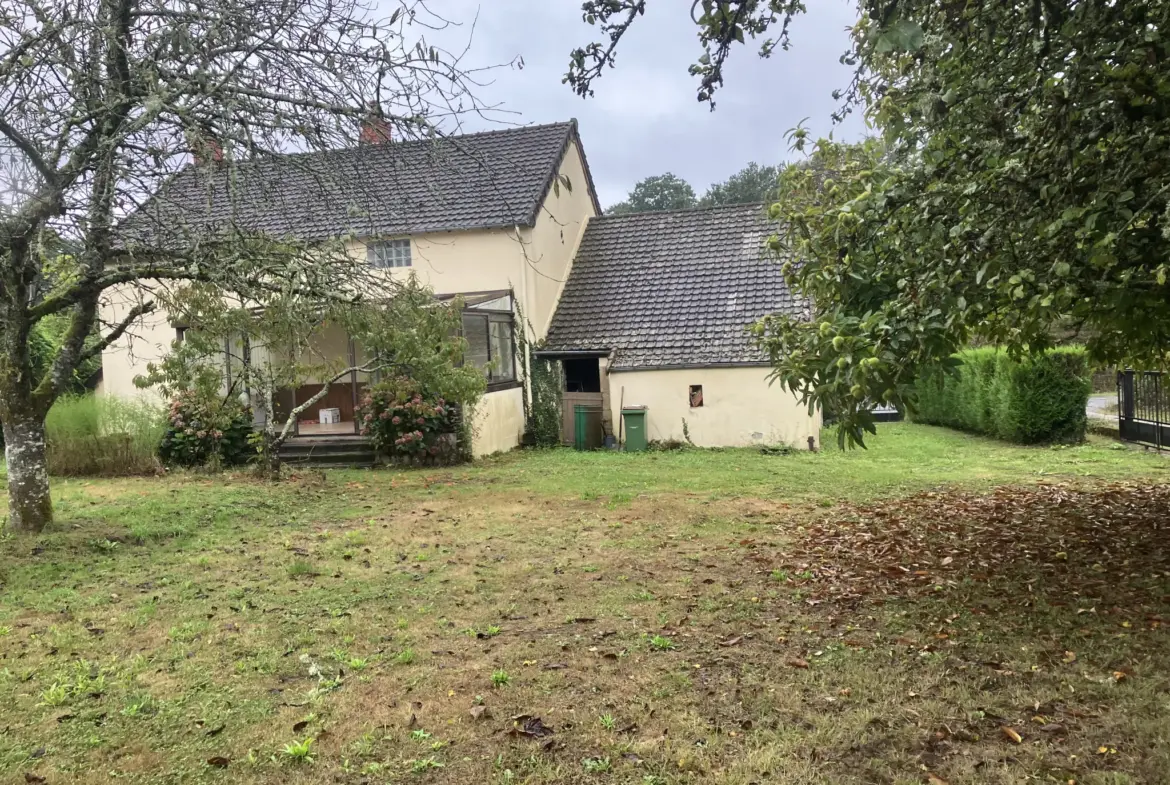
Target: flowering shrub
{"points": [[201, 431], [404, 421]]}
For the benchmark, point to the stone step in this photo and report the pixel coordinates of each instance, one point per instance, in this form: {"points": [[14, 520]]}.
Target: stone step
{"points": [[325, 451]]}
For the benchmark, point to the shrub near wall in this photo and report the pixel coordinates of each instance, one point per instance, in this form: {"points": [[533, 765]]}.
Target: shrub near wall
{"points": [[1035, 399]]}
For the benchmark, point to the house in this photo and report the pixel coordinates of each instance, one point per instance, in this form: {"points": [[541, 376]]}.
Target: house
{"points": [[647, 310], [654, 313], [495, 217]]}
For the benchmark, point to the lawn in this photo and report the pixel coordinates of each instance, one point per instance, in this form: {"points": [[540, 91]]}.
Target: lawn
{"points": [[938, 608]]}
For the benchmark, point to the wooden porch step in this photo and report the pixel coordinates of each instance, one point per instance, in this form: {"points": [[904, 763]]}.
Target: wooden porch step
{"points": [[353, 451]]}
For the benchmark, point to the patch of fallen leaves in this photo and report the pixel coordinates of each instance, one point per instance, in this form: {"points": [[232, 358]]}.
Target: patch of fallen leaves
{"points": [[530, 727], [1109, 543]]}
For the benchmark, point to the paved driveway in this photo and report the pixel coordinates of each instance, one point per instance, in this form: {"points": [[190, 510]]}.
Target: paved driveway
{"points": [[1102, 406]]}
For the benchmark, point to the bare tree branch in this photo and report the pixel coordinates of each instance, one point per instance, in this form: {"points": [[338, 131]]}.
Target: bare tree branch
{"points": [[137, 312]]}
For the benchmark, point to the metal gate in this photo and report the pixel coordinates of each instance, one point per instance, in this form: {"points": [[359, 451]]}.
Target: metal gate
{"points": [[1143, 408]]}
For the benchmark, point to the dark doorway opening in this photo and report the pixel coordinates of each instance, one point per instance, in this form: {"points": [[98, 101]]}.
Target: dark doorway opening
{"points": [[582, 375]]}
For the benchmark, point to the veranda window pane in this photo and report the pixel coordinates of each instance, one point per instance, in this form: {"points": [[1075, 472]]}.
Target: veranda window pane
{"points": [[475, 330], [503, 366]]}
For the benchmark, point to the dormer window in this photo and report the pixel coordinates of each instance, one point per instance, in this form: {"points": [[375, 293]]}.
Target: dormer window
{"points": [[388, 253]]}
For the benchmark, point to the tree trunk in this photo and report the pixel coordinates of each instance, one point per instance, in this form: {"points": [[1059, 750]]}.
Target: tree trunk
{"points": [[29, 507]]}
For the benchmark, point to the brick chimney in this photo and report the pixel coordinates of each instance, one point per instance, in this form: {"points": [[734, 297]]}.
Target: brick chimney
{"points": [[376, 129], [205, 148]]}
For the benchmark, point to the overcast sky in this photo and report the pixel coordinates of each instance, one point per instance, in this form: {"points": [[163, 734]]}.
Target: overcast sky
{"points": [[643, 119]]}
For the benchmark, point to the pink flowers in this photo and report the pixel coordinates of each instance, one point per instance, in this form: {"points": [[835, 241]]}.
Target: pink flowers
{"points": [[401, 420]]}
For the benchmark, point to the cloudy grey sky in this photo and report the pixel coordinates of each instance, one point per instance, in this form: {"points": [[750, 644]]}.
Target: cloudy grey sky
{"points": [[644, 119]]}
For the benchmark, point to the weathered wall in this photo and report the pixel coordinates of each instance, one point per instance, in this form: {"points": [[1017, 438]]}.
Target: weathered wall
{"points": [[498, 424], [127, 358], [739, 407], [552, 242]]}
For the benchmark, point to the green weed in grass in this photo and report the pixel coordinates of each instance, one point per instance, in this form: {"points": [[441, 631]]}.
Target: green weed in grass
{"points": [[661, 643], [55, 695], [299, 751], [596, 765], [140, 706], [299, 568]]}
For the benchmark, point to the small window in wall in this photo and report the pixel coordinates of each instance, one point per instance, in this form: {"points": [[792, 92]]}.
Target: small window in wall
{"points": [[388, 253], [696, 396], [180, 334]]}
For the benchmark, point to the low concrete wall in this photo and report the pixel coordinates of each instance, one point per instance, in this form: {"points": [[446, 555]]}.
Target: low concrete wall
{"points": [[739, 407], [498, 424]]}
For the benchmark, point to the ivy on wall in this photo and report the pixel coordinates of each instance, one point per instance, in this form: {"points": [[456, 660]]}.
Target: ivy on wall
{"points": [[544, 380], [544, 415]]}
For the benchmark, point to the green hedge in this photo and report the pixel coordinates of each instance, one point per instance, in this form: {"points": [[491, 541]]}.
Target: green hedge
{"points": [[1037, 398]]}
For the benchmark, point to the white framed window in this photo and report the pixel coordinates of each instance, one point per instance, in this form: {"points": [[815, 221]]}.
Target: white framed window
{"points": [[388, 253]]}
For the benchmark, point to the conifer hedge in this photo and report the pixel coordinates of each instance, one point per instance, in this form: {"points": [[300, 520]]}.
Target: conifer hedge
{"points": [[1034, 399]]}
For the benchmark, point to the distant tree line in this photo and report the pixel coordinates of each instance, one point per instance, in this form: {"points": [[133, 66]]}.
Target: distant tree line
{"points": [[753, 183]]}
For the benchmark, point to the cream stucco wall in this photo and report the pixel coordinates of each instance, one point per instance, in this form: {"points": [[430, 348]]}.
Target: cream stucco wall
{"points": [[739, 407], [552, 242], [148, 341], [455, 262], [534, 262], [498, 424]]}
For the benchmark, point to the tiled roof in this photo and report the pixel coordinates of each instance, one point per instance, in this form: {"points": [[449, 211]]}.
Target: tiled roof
{"points": [[474, 181], [672, 288]]}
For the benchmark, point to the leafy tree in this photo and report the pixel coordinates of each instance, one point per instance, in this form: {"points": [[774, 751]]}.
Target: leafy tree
{"points": [[102, 101], [660, 192], [1025, 180], [753, 183]]}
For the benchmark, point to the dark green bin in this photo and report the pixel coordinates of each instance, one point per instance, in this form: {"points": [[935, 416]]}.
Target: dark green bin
{"points": [[635, 424], [586, 426]]}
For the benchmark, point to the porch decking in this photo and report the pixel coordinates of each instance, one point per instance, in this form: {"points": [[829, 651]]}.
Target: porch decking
{"points": [[312, 429]]}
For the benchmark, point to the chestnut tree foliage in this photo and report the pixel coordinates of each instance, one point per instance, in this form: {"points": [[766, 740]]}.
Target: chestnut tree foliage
{"points": [[1022, 180], [101, 101]]}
